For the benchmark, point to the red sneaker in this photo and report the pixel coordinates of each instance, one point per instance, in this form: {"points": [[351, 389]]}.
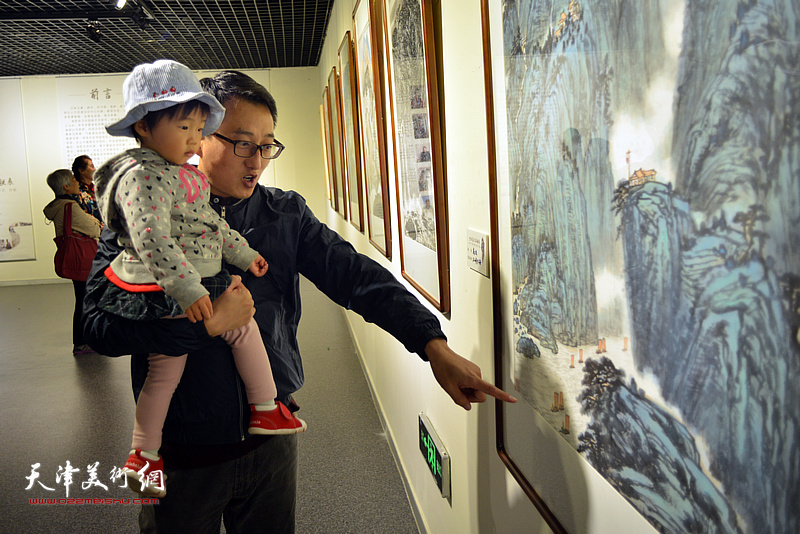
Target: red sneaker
{"points": [[277, 421], [145, 476]]}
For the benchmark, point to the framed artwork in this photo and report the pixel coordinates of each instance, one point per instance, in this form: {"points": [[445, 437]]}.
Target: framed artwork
{"points": [[421, 193], [646, 268], [16, 219], [338, 142], [368, 66], [352, 144], [330, 154], [324, 145]]}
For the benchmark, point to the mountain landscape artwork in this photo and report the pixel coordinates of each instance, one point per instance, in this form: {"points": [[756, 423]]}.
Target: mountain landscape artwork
{"points": [[654, 183]]}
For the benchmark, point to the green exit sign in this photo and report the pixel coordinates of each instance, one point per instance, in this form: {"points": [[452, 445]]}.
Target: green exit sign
{"points": [[435, 455]]}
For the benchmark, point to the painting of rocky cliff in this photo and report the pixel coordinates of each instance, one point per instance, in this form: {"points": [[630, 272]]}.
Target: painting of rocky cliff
{"points": [[654, 183]]}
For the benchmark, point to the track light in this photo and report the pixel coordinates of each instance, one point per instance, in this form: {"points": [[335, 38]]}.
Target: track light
{"points": [[147, 11], [139, 11], [142, 15], [93, 31], [141, 19]]}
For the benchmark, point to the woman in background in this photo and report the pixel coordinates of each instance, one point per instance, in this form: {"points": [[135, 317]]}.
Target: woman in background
{"points": [[67, 191], [83, 169]]}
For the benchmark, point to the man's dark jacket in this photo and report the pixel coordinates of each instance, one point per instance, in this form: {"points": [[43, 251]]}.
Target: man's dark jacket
{"points": [[210, 406]]}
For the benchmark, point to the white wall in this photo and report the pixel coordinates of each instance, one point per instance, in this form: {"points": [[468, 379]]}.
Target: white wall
{"points": [[299, 167], [485, 498]]}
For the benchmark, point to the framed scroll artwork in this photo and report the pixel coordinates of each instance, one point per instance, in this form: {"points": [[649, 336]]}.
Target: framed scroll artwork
{"points": [[368, 66], [338, 142], [330, 155], [322, 134], [16, 219], [418, 142], [350, 130], [646, 266]]}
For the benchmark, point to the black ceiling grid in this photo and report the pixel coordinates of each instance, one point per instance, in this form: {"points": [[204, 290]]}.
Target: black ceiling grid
{"points": [[49, 37]]}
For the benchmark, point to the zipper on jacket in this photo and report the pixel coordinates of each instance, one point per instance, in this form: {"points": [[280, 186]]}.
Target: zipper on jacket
{"points": [[222, 210], [215, 200]]}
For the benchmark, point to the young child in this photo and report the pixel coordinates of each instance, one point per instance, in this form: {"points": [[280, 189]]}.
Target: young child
{"points": [[174, 246]]}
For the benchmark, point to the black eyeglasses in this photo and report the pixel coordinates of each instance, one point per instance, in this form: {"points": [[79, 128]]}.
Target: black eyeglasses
{"points": [[246, 149]]}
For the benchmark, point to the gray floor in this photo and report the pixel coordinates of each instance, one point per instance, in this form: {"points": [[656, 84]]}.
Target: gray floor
{"points": [[56, 408]]}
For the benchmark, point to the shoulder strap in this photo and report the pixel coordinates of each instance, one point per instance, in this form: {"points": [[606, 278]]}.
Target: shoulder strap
{"points": [[68, 219]]}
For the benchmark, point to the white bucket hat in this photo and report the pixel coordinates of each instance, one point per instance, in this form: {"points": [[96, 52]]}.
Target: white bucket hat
{"points": [[165, 83]]}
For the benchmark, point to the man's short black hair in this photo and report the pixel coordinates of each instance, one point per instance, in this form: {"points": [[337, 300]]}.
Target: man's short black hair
{"points": [[234, 84]]}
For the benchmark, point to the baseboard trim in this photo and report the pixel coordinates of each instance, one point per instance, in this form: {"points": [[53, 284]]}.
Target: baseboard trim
{"points": [[40, 282]]}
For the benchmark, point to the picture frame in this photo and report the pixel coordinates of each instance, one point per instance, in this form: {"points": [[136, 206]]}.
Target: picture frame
{"points": [[521, 471], [323, 132], [330, 155], [350, 129], [415, 103], [17, 241], [618, 255], [369, 68], [337, 135]]}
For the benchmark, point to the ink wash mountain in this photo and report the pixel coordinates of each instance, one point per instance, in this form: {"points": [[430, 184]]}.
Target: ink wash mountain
{"points": [[707, 243]]}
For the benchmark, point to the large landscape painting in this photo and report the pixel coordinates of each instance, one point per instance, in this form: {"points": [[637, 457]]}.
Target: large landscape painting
{"points": [[653, 169]]}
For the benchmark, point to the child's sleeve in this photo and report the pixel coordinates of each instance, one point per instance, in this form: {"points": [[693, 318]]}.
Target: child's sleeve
{"points": [[145, 198], [235, 249]]}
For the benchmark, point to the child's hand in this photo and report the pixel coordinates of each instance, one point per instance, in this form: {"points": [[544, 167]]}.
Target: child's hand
{"points": [[200, 310], [259, 266]]}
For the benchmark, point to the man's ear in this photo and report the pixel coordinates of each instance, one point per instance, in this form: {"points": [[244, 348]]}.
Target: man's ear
{"points": [[140, 127]]}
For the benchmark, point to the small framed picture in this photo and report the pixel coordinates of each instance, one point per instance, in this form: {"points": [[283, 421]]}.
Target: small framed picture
{"points": [[423, 154], [417, 97], [420, 125]]}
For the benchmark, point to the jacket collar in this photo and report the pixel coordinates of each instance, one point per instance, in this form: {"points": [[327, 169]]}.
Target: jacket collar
{"points": [[224, 201]]}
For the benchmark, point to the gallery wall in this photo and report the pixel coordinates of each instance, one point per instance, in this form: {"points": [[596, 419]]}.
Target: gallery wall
{"points": [[647, 205], [299, 168], [485, 498]]}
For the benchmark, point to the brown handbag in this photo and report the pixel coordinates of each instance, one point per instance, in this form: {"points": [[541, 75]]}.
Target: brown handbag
{"points": [[75, 252]]}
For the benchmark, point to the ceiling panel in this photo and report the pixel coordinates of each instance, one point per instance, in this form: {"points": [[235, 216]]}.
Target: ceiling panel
{"points": [[50, 36]]}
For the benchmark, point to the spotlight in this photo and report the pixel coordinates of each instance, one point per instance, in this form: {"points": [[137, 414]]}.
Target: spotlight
{"points": [[93, 31], [143, 15], [119, 4], [140, 18]]}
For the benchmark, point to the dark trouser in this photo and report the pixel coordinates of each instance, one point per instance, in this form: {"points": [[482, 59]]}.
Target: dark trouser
{"points": [[254, 493], [77, 331]]}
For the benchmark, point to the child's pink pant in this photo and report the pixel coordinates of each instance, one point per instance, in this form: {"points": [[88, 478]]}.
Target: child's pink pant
{"points": [[165, 373]]}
